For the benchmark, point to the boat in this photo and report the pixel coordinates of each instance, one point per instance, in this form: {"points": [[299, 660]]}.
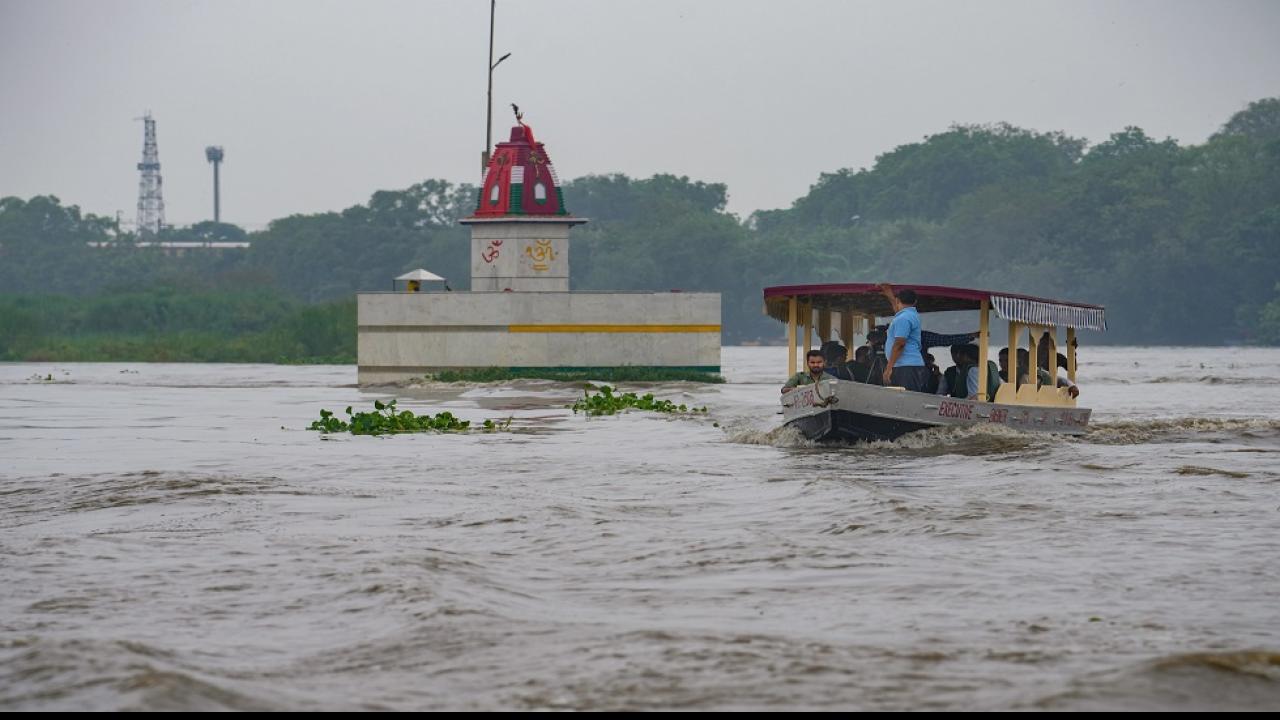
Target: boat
{"points": [[836, 410]]}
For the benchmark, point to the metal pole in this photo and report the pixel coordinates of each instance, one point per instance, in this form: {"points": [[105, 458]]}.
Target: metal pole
{"points": [[488, 124], [217, 205]]}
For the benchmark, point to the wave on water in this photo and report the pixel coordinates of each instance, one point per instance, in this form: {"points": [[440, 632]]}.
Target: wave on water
{"points": [[1217, 380], [1203, 681], [783, 436], [82, 674], [1260, 380], [96, 492], [1262, 664], [1201, 470], [988, 439], [1134, 432]]}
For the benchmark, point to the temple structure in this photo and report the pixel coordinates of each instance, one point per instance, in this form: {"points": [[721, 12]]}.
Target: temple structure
{"points": [[519, 311]]}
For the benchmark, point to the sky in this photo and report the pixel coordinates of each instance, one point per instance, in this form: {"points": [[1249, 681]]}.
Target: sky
{"points": [[319, 103]]}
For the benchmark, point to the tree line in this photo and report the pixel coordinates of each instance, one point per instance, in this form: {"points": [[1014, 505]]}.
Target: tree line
{"points": [[1180, 242]]}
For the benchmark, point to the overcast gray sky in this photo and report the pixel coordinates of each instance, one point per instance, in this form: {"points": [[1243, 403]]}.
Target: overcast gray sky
{"points": [[320, 103]]}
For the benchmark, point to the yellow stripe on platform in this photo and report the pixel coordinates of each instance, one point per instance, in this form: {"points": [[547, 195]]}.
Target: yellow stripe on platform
{"points": [[614, 328]]}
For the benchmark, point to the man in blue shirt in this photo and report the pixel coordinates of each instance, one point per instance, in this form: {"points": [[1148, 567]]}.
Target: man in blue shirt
{"points": [[906, 366]]}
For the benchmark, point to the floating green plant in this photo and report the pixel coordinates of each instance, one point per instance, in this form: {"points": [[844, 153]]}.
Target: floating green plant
{"points": [[605, 402], [384, 420]]}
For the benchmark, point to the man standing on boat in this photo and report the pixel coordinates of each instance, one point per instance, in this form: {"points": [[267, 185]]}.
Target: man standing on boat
{"points": [[906, 366]]}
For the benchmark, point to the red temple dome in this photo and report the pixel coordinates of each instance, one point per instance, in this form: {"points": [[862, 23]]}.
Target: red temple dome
{"points": [[520, 180]]}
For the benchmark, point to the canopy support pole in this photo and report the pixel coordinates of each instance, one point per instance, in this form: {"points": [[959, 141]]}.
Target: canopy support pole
{"points": [[1033, 357], [846, 333], [808, 326], [983, 335], [1013, 355], [1071, 354], [791, 336]]}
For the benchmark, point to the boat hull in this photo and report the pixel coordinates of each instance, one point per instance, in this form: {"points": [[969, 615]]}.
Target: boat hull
{"points": [[842, 411]]}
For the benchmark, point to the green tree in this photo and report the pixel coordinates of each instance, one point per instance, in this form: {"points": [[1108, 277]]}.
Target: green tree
{"points": [[1260, 121]]}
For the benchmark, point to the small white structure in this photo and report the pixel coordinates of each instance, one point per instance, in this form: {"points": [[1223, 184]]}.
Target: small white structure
{"points": [[418, 276]]}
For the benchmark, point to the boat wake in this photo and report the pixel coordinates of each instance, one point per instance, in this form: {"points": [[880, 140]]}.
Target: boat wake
{"points": [[998, 439], [1190, 429], [971, 440]]}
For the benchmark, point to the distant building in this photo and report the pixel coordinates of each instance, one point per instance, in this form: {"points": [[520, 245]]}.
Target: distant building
{"points": [[176, 248]]}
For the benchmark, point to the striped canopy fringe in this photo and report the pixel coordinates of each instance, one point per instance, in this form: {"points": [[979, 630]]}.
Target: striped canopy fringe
{"points": [[1045, 313]]}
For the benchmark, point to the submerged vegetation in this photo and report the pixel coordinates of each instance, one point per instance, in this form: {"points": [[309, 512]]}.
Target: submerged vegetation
{"points": [[384, 420], [605, 402]]}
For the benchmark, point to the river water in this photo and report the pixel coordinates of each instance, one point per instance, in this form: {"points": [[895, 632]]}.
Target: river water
{"points": [[172, 538]]}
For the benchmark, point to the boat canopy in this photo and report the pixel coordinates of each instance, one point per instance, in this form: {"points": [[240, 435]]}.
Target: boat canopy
{"points": [[868, 299]]}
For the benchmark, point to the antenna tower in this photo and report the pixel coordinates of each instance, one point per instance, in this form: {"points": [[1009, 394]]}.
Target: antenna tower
{"points": [[150, 199]]}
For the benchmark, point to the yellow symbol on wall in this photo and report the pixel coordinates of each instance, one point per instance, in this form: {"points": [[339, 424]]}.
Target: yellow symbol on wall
{"points": [[541, 253]]}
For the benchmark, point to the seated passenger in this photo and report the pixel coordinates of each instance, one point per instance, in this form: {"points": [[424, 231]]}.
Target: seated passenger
{"points": [[1023, 368], [967, 368], [1044, 345], [833, 354], [859, 368], [935, 375], [1043, 378], [813, 361], [948, 380], [1022, 365], [875, 346]]}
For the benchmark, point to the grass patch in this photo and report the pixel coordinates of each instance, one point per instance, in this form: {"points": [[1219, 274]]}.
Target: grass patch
{"points": [[166, 326]]}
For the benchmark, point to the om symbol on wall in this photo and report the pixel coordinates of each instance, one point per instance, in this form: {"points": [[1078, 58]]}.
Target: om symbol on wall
{"points": [[542, 254]]}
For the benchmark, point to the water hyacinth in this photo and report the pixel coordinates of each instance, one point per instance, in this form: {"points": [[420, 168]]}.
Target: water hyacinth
{"points": [[605, 402], [384, 420]]}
